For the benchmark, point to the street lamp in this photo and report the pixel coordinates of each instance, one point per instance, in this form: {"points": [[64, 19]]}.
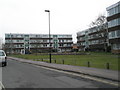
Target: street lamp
{"points": [[49, 34]]}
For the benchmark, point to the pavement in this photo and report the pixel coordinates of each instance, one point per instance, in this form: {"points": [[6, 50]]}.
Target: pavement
{"points": [[100, 73]]}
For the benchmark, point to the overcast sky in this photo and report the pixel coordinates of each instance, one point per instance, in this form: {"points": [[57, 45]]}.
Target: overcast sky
{"points": [[67, 16]]}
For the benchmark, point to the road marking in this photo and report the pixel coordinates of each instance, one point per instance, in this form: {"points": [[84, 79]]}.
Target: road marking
{"points": [[83, 76], [2, 86]]}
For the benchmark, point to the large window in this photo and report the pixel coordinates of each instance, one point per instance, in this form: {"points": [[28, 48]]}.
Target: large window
{"points": [[114, 10], [114, 34], [113, 23], [7, 35], [118, 33]]}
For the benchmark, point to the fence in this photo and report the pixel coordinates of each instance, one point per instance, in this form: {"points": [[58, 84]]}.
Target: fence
{"points": [[106, 65]]}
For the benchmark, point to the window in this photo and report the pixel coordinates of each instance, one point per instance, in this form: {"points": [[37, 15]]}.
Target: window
{"points": [[116, 46], [111, 34], [44, 40], [82, 43], [114, 22], [118, 33], [68, 44], [55, 36], [7, 35], [26, 35], [113, 11], [59, 40], [2, 54], [118, 21], [21, 45], [46, 36], [114, 34], [37, 35], [44, 45], [61, 45]]}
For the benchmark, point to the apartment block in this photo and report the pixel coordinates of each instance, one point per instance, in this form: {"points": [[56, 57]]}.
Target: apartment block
{"points": [[98, 38], [93, 39], [113, 19], [82, 40], [105, 37], [22, 43]]}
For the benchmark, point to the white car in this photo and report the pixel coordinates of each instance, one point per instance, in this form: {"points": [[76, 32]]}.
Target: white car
{"points": [[3, 58]]}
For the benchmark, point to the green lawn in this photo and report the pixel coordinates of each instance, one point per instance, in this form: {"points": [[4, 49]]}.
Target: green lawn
{"points": [[97, 60]]}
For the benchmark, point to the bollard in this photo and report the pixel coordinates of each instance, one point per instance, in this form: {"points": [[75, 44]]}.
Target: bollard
{"points": [[55, 61], [88, 64], [63, 61], [42, 59], [108, 66], [75, 62]]}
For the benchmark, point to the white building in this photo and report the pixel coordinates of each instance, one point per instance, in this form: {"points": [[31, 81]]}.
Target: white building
{"points": [[113, 19], [17, 43]]}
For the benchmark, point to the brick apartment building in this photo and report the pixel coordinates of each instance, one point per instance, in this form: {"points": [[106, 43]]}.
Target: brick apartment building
{"points": [[21, 43], [114, 26]]}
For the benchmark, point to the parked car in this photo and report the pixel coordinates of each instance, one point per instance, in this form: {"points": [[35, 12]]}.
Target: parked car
{"points": [[3, 58]]}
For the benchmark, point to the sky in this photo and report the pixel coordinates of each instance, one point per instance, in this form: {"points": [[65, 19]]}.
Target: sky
{"points": [[66, 16]]}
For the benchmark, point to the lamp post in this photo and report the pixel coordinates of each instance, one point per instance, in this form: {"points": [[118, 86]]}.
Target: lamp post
{"points": [[49, 34]]}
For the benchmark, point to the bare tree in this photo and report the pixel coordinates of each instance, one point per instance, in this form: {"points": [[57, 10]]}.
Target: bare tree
{"points": [[101, 24], [101, 20]]}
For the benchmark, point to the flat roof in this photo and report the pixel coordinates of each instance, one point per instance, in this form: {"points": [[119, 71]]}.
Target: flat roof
{"points": [[33, 34], [112, 6]]}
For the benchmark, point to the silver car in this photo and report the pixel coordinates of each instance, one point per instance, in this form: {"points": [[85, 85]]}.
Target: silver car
{"points": [[3, 58]]}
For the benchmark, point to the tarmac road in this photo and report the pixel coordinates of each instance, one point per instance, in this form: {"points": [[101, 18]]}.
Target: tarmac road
{"points": [[24, 75]]}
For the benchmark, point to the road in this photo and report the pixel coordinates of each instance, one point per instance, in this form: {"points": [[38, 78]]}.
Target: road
{"points": [[24, 75]]}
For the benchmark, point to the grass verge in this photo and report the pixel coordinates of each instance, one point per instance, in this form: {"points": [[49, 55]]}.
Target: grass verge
{"points": [[96, 60]]}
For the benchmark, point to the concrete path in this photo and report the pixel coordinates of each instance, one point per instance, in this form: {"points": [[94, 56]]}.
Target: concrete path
{"points": [[102, 73]]}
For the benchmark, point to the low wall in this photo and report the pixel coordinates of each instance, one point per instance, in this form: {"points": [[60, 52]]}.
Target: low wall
{"points": [[116, 51]]}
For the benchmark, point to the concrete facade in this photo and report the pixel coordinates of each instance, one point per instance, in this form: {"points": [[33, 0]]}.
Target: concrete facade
{"points": [[93, 39], [108, 37], [16, 43], [114, 27]]}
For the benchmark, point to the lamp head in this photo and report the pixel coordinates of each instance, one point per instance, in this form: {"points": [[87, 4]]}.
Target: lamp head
{"points": [[47, 10]]}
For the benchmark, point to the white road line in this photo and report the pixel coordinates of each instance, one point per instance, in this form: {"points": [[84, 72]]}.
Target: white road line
{"points": [[83, 76], [2, 86]]}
